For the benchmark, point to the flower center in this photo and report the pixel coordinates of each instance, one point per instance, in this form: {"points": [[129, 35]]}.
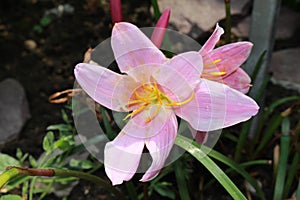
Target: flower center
{"points": [[150, 93]]}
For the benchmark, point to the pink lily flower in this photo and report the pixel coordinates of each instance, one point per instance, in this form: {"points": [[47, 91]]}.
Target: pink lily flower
{"points": [[116, 11], [154, 90], [160, 28], [223, 64]]}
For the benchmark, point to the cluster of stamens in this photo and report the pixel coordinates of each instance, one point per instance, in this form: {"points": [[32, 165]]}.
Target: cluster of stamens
{"points": [[150, 93]]}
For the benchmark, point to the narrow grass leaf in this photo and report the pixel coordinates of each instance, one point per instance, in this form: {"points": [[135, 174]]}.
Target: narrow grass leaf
{"points": [[195, 150], [283, 159], [291, 175], [270, 130], [181, 180]]}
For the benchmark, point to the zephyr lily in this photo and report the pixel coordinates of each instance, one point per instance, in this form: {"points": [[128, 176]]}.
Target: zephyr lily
{"points": [[223, 64], [154, 90], [160, 28]]}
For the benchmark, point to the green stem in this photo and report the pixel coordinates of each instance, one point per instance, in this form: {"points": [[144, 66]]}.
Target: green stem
{"points": [[196, 151], [13, 172]]}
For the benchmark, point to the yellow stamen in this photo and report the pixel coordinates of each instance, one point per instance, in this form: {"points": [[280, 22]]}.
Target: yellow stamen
{"points": [[141, 98], [215, 73], [157, 93], [150, 89], [173, 103], [217, 61], [150, 94], [154, 114], [212, 63], [136, 111]]}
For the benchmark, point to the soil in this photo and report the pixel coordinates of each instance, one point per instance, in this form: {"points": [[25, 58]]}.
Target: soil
{"points": [[43, 62]]}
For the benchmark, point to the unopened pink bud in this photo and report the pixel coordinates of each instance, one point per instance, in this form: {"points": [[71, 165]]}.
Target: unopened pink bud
{"points": [[116, 11], [160, 28]]}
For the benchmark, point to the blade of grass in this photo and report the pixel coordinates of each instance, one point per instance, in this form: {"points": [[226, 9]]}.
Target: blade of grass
{"points": [[238, 168], [228, 22], [131, 190], [156, 9], [195, 150], [298, 190], [249, 178], [291, 175], [241, 141], [266, 116], [181, 181], [270, 130], [283, 159], [257, 66], [110, 133]]}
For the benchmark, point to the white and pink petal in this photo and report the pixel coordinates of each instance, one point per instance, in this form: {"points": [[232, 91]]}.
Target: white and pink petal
{"points": [[212, 41], [227, 58], [106, 87], [132, 48], [238, 80], [216, 106], [160, 146], [189, 65], [174, 84], [149, 122], [122, 157]]}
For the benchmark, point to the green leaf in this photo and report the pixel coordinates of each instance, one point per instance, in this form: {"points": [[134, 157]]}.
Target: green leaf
{"points": [[81, 164], [45, 21], [181, 180], [196, 151], [257, 66], [238, 168], [298, 190], [268, 134], [38, 29], [19, 153], [241, 141], [65, 116], [65, 143], [32, 161], [131, 189], [155, 6], [109, 132], [164, 189], [292, 174], [48, 142], [283, 160], [6, 160], [59, 127], [10, 197]]}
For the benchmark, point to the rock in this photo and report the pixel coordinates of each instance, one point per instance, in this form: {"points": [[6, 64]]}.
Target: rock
{"points": [[285, 68], [59, 11], [202, 13], [288, 23], [14, 110], [30, 45]]}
